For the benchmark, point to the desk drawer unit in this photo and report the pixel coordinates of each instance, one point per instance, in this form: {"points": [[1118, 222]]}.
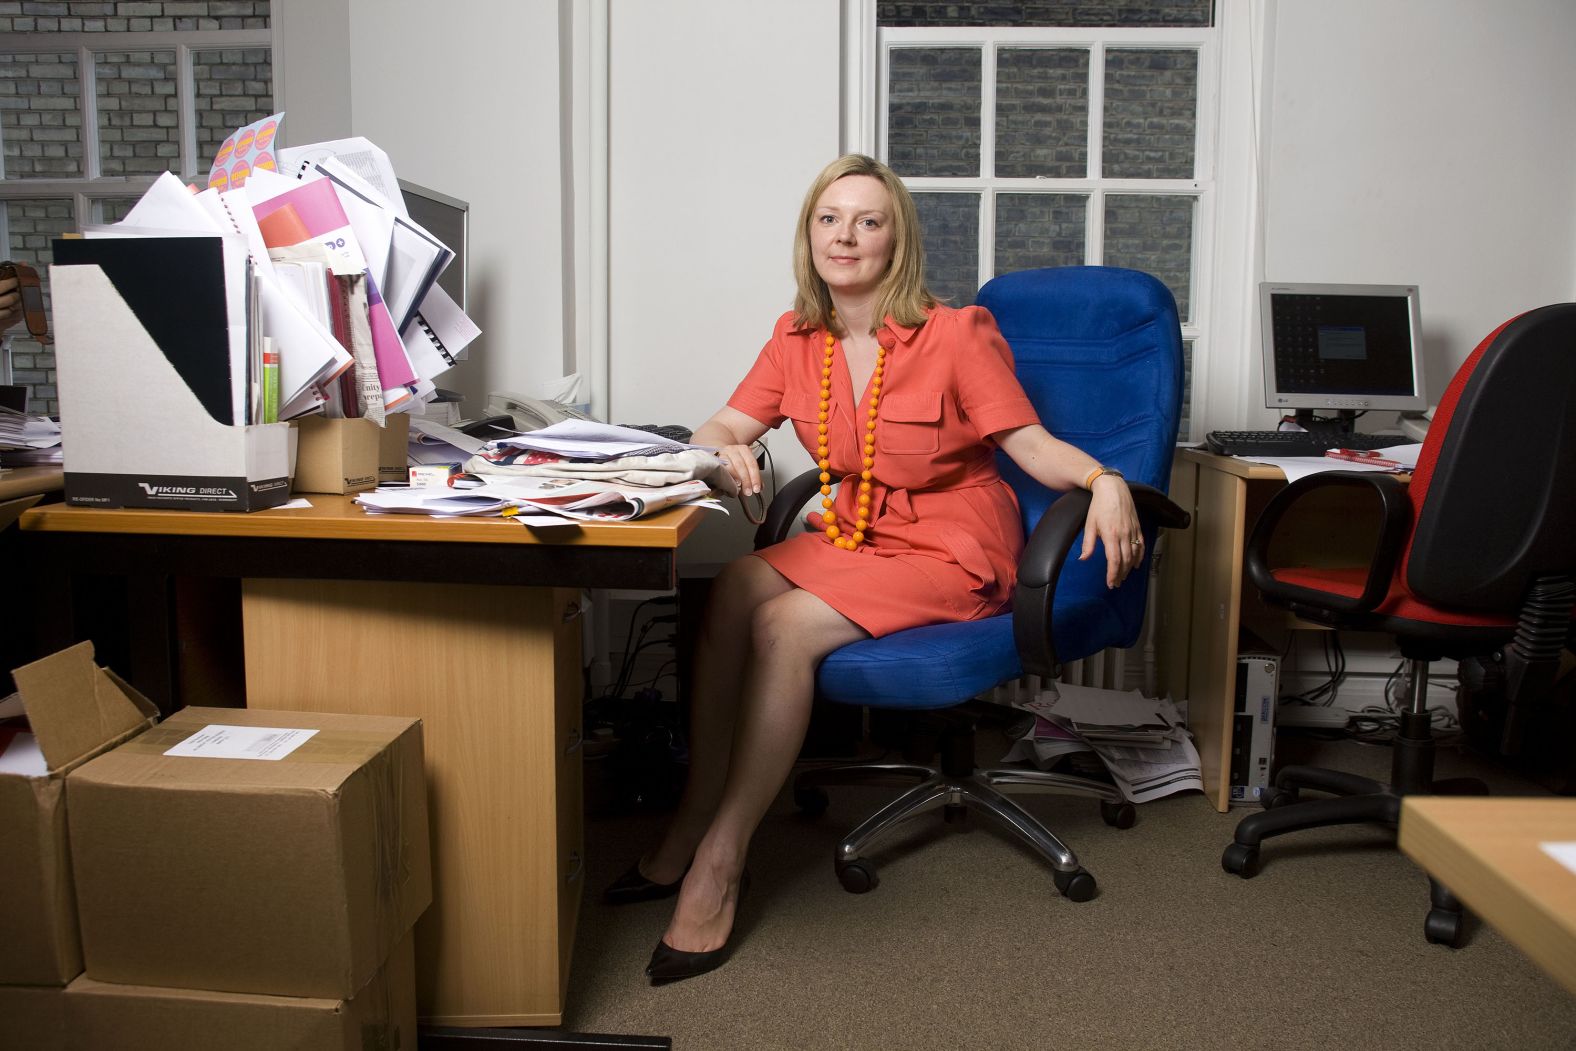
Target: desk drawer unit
{"points": [[493, 672]]}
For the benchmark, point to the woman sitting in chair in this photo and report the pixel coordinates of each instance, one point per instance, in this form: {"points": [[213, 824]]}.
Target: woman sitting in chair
{"points": [[903, 403]]}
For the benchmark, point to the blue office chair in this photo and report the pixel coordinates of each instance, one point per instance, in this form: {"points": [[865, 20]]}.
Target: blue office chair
{"points": [[1099, 352]]}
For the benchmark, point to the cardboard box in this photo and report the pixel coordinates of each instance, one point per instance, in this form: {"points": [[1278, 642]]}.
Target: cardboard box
{"points": [[349, 456], [292, 875], [394, 448], [33, 1018], [134, 432], [77, 711], [380, 1017]]}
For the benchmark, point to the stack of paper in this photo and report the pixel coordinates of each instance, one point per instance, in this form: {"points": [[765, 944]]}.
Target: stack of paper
{"points": [[336, 277], [1142, 741], [27, 441], [592, 442], [538, 501]]}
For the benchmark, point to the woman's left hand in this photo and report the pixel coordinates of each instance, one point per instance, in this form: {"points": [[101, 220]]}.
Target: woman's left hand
{"points": [[1113, 520]]}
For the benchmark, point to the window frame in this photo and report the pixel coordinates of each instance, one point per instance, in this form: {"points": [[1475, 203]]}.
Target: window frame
{"points": [[866, 79], [92, 186]]}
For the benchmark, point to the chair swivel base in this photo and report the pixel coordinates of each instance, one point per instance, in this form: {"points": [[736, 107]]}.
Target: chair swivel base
{"points": [[958, 793], [1356, 800]]}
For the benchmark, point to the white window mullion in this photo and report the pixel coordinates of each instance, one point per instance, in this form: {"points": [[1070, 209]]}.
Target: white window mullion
{"points": [[987, 238], [1094, 222], [87, 106], [987, 211], [186, 110]]}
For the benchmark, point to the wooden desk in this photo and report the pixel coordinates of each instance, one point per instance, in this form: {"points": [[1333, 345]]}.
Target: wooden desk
{"points": [[30, 481], [1486, 851], [469, 624], [1206, 599]]}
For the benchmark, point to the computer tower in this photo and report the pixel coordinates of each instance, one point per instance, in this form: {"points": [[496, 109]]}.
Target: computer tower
{"points": [[1253, 727]]}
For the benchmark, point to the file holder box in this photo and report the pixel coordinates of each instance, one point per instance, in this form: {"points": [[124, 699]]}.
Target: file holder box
{"points": [[77, 710], [133, 432]]}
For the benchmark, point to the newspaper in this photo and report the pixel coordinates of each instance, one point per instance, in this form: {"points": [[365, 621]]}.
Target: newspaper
{"points": [[566, 497], [1141, 741]]}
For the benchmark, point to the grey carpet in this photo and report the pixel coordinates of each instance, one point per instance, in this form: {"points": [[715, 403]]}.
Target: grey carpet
{"points": [[967, 944]]}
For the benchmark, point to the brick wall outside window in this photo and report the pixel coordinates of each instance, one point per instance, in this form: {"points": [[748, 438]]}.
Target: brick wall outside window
{"points": [[138, 120]]}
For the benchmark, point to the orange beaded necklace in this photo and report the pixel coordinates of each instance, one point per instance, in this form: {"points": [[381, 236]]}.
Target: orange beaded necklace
{"points": [[862, 523]]}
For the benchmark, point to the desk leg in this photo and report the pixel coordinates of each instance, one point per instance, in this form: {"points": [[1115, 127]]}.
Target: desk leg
{"points": [[1212, 652], [494, 675]]}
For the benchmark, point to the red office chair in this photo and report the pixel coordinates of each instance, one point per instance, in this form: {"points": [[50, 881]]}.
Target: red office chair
{"points": [[1476, 557]]}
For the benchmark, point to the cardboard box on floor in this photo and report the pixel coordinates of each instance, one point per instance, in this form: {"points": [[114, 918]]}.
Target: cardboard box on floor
{"points": [[382, 1016], [33, 1018], [293, 875], [349, 456], [77, 710]]}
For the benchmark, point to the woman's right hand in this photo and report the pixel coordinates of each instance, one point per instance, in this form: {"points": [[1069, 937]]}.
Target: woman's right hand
{"points": [[744, 468], [10, 302], [730, 432]]}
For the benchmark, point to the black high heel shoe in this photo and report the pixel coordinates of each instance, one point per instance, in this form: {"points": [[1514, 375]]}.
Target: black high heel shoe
{"points": [[633, 886], [672, 965]]}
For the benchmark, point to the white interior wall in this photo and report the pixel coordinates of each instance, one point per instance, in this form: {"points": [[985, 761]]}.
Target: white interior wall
{"points": [[720, 115], [311, 76], [1425, 142], [1420, 142], [465, 98]]}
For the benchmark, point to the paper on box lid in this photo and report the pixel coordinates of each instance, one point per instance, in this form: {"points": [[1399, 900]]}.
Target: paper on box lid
{"points": [[75, 707]]}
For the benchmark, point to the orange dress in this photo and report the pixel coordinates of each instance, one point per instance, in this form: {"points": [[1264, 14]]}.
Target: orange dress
{"points": [[945, 532]]}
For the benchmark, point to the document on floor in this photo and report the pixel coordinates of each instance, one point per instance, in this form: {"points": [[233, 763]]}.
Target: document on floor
{"points": [[1142, 741]]}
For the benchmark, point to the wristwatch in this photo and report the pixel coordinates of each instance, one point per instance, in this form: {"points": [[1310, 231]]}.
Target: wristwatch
{"points": [[1098, 471]]}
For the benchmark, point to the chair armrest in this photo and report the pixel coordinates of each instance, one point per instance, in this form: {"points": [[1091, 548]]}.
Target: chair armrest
{"points": [[1046, 552], [1396, 513], [784, 509]]}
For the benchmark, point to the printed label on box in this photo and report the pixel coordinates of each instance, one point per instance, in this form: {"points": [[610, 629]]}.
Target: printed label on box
{"points": [[216, 741]]}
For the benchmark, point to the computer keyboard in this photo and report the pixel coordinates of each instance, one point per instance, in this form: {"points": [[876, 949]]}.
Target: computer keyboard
{"points": [[1294, 443]]}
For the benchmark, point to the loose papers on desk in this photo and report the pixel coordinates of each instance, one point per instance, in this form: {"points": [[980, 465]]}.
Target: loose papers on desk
{"points": [[1142, 741], [579, 469], [27, 441], [583, 501], [1295, 467]]}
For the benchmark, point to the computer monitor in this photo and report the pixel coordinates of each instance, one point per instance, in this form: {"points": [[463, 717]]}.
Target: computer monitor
{"points": [[448, 220], [1334, 351]]}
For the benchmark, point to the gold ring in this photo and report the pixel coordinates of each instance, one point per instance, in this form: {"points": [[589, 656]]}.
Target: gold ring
{"points": [[1136, 543]]}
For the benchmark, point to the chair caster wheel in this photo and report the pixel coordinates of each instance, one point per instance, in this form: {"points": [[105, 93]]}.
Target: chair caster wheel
{"points": [[812, 802], [1274, 797], [1241, 860], [1077, 885], [1443, 927], [1118, 815], [857, 876]]}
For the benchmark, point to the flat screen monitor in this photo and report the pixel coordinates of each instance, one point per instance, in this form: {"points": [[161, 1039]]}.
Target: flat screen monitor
{"points": [[1338, 350], [448, 220]]}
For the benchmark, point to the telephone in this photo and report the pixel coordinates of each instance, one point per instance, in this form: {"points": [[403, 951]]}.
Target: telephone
{"points": [[530, 414]]}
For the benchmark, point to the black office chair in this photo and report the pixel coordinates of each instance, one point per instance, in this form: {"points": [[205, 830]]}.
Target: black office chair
{"points": [[1099, 352], [1475, 557]]}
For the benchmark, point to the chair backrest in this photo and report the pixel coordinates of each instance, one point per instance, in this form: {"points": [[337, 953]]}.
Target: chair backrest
{"points": [[1494, 493], [1099, 352]]}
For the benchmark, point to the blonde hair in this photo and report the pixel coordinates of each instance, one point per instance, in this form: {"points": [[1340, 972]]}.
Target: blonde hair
{"points": [[902, 294]]}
